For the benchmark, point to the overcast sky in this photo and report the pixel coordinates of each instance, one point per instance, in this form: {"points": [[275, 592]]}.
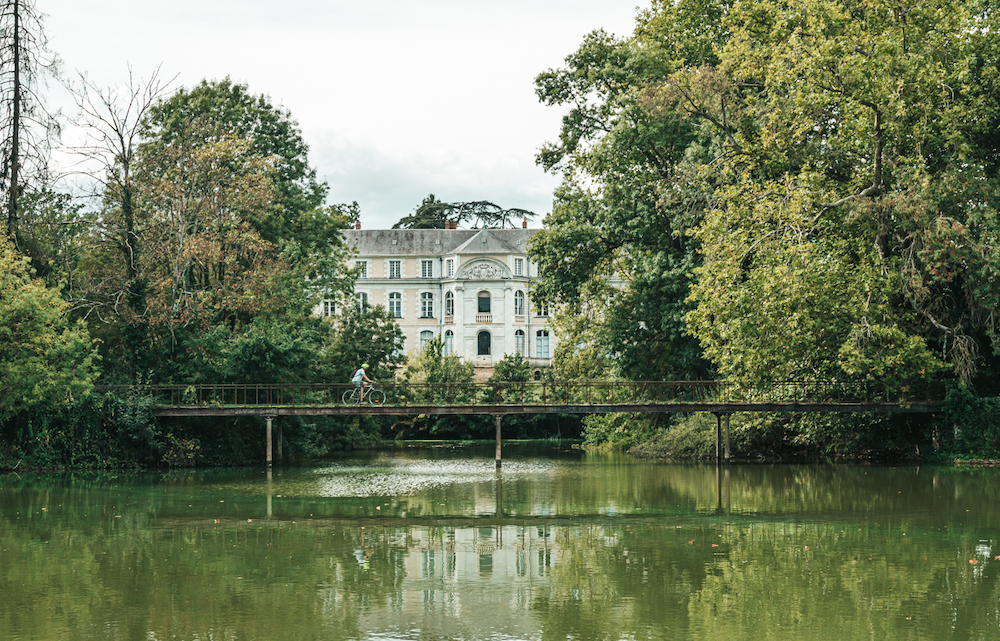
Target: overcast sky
{"points": [[396, 98]]}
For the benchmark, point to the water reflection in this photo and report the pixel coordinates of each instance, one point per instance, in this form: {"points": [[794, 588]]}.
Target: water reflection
{"points": [[568, 546]]}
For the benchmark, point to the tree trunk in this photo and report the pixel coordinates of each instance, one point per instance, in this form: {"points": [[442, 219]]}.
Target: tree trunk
{"points": [[14, 158]]}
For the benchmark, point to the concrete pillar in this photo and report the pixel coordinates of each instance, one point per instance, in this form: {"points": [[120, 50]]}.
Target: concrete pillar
{"points": [[727, 440], [270, 445], [718, 438]]}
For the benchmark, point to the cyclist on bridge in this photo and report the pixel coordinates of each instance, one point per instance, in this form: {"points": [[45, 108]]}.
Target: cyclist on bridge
{"points": [[361, 381]]}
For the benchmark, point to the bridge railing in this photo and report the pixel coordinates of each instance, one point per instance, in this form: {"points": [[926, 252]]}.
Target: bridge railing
{"points": [[555, 393], [534, 393]]}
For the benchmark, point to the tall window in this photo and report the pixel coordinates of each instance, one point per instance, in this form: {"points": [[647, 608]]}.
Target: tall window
{"points": [[449, 304], [451, 267], [519, 341], [329, 308], [396, 304], [395, 269], [519, 302], [362, 267], [426, 269], [362, 299], [425, 338], [542, 343], [484, 299], [449, 343], [427, 305], [519, 267], [484, 341]]}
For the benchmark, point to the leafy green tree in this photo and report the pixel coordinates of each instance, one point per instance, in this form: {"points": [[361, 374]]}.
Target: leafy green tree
{"points": [[272, 351], [51, 232], [442, 377], [365, 335], [212, 207], [820, 176], [433, 214], [223, 109], [616, 247], [45, 358], [430, 364], [849, 225], [853, 232], [512, 368]]}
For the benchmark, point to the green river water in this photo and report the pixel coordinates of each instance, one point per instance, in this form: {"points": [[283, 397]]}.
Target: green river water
{"points": [[430, 542]]}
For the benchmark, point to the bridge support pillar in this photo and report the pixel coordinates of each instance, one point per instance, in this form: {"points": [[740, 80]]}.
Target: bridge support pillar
{"points": [[269, 441], [498, 416], [718, 438], [726, 453], [721, 443]]}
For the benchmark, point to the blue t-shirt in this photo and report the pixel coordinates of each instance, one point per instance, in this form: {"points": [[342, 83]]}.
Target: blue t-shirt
{"points": [[358, 376]]}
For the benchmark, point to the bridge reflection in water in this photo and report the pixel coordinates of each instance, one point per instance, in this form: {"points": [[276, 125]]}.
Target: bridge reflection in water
{"points": [[721, 398]]}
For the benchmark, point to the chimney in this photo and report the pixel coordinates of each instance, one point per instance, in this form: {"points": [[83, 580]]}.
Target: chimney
{"points": [[524, 222], [451, 224], [357, 225]]}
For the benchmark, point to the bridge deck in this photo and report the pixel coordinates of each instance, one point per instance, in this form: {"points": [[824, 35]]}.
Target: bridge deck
{"points": [[524, 398]]}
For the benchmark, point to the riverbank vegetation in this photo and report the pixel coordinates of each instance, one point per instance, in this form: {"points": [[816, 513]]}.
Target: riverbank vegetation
{"points": [[758, 192], [768, 192]]}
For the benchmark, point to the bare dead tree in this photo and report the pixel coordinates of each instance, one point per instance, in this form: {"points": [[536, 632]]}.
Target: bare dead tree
{"points": [[112, 120], [27, 128]]}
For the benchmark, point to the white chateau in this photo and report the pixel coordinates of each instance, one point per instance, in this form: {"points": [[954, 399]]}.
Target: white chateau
{"points": [[470, 287]]}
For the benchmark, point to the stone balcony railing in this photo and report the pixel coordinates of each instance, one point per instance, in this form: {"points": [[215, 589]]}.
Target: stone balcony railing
{"points": [[484, 318], [449, 320], [520, 319]]}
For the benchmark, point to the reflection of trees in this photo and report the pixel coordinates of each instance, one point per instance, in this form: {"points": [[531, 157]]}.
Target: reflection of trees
{"points": [[841, 581], [83, 556], [131, 582]]}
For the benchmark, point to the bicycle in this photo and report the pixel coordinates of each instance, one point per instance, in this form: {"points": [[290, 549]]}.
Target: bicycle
{"points": [[373, 396]]}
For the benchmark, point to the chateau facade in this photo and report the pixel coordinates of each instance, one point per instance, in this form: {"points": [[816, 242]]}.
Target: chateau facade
{"points": [[470, 287]]}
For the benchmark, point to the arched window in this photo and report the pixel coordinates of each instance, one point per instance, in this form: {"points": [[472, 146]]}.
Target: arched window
{"points": [[396, 304], [484, 299], [542, 343], [485, 343], [449, 343], [519, 341], [449, 304], [425, 338], [519, 302]]}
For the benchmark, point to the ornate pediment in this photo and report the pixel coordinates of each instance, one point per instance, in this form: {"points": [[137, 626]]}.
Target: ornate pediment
{"points": [[483, 269]]}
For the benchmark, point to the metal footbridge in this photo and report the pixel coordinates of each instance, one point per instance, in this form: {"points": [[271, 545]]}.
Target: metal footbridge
{"points": [[506, 399], [537, 397]]}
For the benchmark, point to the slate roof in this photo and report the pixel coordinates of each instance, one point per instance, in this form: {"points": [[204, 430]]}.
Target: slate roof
{"points": [[437, 242]]}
